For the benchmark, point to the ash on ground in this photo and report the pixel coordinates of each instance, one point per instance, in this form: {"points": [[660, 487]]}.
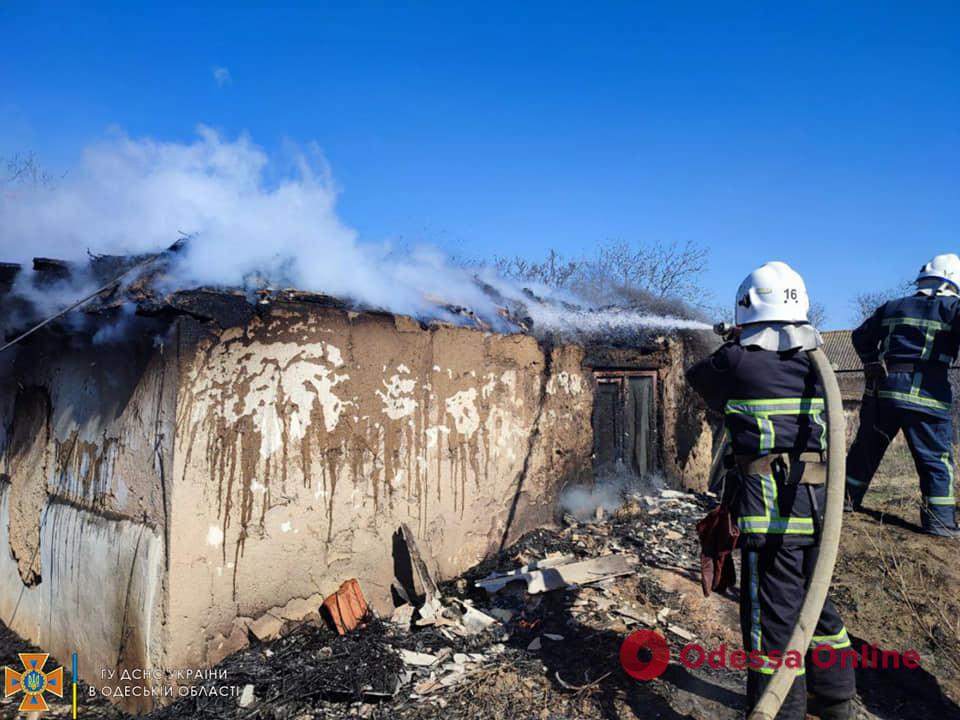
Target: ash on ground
{"points": [[533, 632]]}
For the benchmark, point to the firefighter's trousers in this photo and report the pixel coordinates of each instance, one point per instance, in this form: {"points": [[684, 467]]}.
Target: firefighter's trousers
{"points": [[930, 439]]}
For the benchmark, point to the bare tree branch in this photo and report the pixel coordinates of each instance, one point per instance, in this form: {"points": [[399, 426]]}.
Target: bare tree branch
{"points": [[555, 271], [621, 273], [868, 301], [817, 314], [620, 268], [25, 169]]}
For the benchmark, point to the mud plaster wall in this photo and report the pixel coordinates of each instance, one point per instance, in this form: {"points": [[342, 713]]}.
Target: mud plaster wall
{"points": [[86, 431], [688, 437], [307, 437]]}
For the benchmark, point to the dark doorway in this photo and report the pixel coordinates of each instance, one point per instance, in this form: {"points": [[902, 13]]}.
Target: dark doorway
{"points": [[625, 421]]}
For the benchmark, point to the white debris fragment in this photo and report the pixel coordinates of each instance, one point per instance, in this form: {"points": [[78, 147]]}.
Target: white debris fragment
{"points": [[403, 615], [681, 633], [636, 616], [452, 678], [418, 658], [562, 572], [475, 621], [430, 611]]}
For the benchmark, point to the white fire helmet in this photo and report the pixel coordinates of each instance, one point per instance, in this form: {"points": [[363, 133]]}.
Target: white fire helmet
{"points": [[945, 268], [774, 292]]}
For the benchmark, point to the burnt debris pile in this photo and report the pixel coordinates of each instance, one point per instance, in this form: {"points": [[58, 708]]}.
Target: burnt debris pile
{"points": [[534, 631]]}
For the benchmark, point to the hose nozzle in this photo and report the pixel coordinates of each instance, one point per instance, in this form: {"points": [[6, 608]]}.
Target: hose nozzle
{"points": [[724, 330]]}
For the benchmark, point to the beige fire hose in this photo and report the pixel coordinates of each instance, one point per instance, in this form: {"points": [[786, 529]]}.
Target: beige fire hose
{"points": [[772, 699]]}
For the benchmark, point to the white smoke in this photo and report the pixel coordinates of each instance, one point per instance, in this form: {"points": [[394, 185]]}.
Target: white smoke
{"points": [[612, 487], [248, 216], [583, 501]]}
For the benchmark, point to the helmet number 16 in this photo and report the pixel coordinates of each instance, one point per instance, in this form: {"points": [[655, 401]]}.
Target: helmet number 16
{"points": [[790, 295]]}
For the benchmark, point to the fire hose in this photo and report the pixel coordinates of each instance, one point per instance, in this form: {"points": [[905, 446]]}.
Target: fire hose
{"points": [[776, 692]]}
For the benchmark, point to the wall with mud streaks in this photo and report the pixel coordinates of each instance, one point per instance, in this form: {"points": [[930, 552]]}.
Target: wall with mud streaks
{"points": [[100, 596], [687, 435], [86, 437], [307, 437]]}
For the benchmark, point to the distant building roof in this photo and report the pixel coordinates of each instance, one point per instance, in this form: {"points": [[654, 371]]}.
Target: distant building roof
{"points": [[838, 346], [839, 349]]}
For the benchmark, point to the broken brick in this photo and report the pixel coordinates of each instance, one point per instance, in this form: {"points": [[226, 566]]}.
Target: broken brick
{"points": [[347, 607], [267, 627]]}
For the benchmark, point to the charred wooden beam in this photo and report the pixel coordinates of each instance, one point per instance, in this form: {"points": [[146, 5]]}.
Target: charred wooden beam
{"points": [[49, 271], [8, 275]]}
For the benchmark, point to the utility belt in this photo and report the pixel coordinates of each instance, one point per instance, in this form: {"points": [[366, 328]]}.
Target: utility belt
{"points": [[906, 367], [807, 468], [876, 372], [909, 367]]}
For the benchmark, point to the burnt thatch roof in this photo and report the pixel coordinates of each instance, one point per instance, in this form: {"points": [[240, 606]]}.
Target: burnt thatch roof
{"points": [[145, 285], [142, 283]]}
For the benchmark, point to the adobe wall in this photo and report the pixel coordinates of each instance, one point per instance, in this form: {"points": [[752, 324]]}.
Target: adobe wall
{"points": [[85, 434], [158, 493], [689, 434], [305, 438]]}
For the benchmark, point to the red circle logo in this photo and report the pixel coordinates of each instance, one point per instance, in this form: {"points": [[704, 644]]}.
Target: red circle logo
{"points": [[644, 655]]}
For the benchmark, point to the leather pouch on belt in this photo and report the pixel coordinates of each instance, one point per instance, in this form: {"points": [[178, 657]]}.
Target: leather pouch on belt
{"points": [[803, 469], [718, 537]]}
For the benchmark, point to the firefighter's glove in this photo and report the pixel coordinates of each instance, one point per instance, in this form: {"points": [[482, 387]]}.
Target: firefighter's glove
{"points": [[718, 537]]}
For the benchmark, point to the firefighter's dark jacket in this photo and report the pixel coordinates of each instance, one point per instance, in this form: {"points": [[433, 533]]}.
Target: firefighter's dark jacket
{"points": [[916, 338], [772, 401]]}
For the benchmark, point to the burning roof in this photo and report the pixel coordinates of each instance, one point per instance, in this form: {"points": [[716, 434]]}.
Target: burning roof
{"points": [[144, 285]]}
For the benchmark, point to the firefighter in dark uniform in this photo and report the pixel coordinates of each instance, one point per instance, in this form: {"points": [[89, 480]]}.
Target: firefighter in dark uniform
{"points": [[907, 347], [764, 383]]}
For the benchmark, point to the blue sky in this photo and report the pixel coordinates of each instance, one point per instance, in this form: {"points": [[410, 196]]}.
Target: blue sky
{"points": [[826, 135]]}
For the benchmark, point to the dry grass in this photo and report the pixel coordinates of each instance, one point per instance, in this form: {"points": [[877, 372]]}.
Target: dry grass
{"points": [[921, 590], [902, 587]]}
